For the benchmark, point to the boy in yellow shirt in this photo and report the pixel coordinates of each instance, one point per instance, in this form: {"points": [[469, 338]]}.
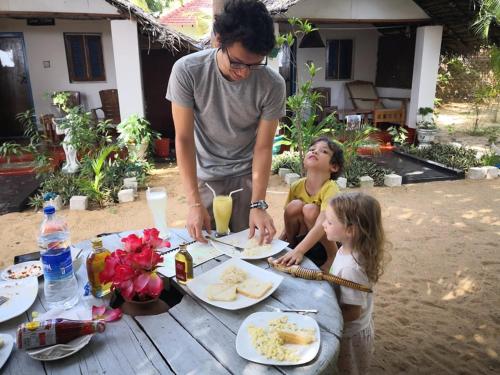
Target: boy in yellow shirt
{"points": [[306, 205]]}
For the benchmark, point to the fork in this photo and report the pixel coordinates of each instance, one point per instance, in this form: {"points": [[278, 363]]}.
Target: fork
{"points": [[299, 311], [238, 248], [3, 299]]}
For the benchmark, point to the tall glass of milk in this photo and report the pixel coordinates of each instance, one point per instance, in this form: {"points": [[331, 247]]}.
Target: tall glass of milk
{"points": [[157, 202]]}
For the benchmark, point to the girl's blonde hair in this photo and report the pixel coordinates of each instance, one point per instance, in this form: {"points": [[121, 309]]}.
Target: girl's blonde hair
{"points": [[364, 214]]}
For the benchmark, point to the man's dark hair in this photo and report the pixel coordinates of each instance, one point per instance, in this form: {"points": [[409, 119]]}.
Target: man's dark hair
{"points": [[247, 22], [337, 156]]}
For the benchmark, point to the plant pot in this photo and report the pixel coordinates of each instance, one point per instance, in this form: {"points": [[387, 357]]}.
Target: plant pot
{"points": [[138, 150], [162, 147], [381, 137], [426, 136]]}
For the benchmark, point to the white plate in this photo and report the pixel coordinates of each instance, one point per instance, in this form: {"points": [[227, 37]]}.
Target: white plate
{"points": [[59, 351], [199, 284], [241, 239], [33, 267], [21, 293], [6, 349], [246, 350]]}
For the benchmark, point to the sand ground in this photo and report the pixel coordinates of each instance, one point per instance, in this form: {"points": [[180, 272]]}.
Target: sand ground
{"points": [[436, 306]]}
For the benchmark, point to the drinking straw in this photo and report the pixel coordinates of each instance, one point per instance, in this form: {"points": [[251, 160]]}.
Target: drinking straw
{"points": [[213, 191], [235, 191]]}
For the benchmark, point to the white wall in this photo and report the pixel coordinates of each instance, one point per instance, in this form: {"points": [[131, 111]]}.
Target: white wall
{"points": [[365, 44], [46, 43], [128, 67], [357, 10], [63, 6], [425, 70]]}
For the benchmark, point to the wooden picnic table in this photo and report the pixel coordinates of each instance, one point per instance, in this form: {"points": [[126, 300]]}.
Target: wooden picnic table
{"points": [[191, 338]]}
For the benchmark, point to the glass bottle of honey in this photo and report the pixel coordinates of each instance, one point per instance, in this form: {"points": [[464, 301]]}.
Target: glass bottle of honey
{"points": [[183, 265], [95, 264]]}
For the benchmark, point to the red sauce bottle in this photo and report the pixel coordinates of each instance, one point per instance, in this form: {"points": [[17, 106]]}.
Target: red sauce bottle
{"points": [[55, 331]]}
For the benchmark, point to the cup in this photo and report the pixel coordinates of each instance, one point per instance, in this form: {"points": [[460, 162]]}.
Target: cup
{"points": [[157, 202], [222, 207]]}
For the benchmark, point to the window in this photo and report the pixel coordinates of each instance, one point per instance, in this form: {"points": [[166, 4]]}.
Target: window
{"points": [[84, 55], [339, 59], [395, 61]]}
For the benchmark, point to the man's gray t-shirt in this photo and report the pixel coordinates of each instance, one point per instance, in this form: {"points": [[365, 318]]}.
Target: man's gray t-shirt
{"points": [[226, 114]]}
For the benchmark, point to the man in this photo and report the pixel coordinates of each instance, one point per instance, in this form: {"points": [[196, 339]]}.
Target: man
{"points": [[226, 104]]}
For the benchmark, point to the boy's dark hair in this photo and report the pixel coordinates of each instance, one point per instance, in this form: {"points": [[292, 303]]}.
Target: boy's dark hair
{"points": [[337, 156], [247, 22]]}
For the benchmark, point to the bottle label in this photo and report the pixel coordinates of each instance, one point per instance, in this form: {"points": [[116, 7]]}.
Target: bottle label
{"points": [[57, 264], [180, 271], [34, 335]]}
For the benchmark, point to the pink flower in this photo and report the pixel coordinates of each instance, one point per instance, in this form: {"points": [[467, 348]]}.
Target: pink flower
{"points": [[103, 313], [132, 270], [132, 242]]}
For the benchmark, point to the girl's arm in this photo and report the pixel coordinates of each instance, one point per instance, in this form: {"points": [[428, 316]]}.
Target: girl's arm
{"points": [[350, 312]]}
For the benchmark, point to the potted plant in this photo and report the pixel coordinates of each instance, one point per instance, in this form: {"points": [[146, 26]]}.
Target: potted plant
{"points": [[132, 272], [398, 134], [135, 133], [426, 126]]}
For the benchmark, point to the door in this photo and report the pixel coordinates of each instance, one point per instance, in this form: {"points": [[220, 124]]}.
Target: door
{"points": [[15, 90], [156, 67]]}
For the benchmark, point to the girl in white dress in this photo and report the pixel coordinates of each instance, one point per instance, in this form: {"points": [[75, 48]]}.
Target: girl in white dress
{"points": [[355, 220]]}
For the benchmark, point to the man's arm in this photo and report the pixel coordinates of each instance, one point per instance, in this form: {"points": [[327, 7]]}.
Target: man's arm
{"points": [[198, 217], [261, 169]]}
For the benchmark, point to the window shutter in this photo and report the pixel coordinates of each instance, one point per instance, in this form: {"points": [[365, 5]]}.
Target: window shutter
{"points": [[77, 56], [95, 56]]}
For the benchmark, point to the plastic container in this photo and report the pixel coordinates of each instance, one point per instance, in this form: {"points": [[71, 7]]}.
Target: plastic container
{"points": [[60, 285]]}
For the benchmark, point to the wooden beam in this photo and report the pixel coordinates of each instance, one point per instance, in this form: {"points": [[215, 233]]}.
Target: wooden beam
{"points": [[421, 21], [61, 15]]}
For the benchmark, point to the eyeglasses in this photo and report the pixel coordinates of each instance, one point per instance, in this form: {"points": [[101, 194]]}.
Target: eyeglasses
{"points": [[236, 65]]}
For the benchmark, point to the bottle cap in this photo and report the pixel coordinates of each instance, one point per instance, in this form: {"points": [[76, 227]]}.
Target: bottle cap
{"points": [[96, 242], [49, 210]]}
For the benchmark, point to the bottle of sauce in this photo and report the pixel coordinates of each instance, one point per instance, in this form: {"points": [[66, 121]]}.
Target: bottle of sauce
{"points": [[55, 331], [183, 265], [95, 264]]}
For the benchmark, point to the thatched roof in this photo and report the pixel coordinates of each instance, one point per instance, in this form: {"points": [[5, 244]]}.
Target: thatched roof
{"points": [[276, 7], [457, 16], [151, 27]]}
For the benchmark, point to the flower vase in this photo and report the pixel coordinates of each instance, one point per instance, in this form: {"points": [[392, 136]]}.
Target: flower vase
{"points": [[153, 306], [149, 307]]}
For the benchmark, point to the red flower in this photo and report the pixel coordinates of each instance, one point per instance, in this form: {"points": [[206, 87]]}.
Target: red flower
{"points": [[132, 242], [132, 270]]}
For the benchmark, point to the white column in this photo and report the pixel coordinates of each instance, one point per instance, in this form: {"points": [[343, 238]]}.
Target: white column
{"points": [[425, 70], [127, 67], [274, 63]]}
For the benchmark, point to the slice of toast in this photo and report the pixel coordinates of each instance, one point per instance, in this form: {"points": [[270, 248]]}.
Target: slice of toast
{"points": [[221, 292], [253, 288], [296, 337]]}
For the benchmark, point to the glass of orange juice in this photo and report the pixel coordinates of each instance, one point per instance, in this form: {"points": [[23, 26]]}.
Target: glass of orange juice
{"points": [[222, 207]]}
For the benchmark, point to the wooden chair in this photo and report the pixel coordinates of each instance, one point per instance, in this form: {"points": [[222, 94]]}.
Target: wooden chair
{"points": [[324, 101], [109, 106], [48, 128], [364, 98]]}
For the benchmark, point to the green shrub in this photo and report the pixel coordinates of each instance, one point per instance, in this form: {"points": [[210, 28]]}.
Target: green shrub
{"points": [[449, 155], [359, 167], [288, 159]]}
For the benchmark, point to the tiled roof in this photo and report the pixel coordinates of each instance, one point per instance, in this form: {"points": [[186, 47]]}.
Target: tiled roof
{"points": [[185, 15]]}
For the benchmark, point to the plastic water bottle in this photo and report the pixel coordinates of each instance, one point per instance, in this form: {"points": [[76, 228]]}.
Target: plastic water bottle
{"points": [[60, 286]]}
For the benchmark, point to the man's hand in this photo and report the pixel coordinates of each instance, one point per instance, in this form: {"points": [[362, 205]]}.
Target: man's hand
{"points": [[197, 219], [291, 258], [261, 220]]}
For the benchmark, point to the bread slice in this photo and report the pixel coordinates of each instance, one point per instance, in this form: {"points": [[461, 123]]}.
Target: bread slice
{"points": [[296, 337], [221, 292], [253, 288]]}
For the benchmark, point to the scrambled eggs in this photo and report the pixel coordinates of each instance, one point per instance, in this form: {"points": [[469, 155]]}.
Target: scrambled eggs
{"points": [[268, 342]]}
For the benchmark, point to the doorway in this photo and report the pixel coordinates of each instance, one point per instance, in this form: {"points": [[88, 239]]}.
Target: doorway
{"points": [[15, 88]]}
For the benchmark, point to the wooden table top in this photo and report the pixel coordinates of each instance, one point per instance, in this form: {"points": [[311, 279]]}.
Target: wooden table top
{"points": [[192, 337]]}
